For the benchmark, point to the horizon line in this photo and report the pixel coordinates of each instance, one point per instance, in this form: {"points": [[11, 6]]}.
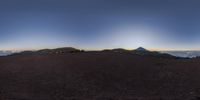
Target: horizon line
{"points": [[100, 49]]}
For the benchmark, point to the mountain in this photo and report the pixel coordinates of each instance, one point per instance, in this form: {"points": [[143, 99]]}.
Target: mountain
{"points": [[138, 51], [59, 50], [141, 49], [144, 52], [50, 51], [117, 50]]}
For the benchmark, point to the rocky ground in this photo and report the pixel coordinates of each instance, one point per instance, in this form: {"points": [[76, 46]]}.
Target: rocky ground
{"points": [[102, 75]]}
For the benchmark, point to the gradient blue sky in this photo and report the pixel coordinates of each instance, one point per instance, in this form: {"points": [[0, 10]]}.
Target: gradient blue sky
{"points": [[99, 24]]}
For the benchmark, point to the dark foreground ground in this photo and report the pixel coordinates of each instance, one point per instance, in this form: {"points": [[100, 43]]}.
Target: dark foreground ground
{"points": [[98, 76]]}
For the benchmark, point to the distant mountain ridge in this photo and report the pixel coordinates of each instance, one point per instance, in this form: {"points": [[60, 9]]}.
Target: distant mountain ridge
{"points": [[141, 49], [138, 51], [142, 52], [145, 52], [50, 51]]}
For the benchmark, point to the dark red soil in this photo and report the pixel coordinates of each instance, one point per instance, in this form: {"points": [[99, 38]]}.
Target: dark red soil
{"points": [[98, 76]]}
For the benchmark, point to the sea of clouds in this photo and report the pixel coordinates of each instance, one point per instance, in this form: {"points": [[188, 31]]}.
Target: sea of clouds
{"points": [[189, 54]]}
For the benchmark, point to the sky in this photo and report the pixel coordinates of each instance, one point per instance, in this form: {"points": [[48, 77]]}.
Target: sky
{"points": [[100, 24]]}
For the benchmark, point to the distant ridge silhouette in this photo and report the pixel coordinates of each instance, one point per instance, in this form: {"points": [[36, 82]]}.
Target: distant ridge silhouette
{"points": [[141, 49], [50, 51], [144, 52]]}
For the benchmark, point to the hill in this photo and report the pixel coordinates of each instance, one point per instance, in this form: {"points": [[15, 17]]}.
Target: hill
{"points": [[143, 52], [49, 51]]}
